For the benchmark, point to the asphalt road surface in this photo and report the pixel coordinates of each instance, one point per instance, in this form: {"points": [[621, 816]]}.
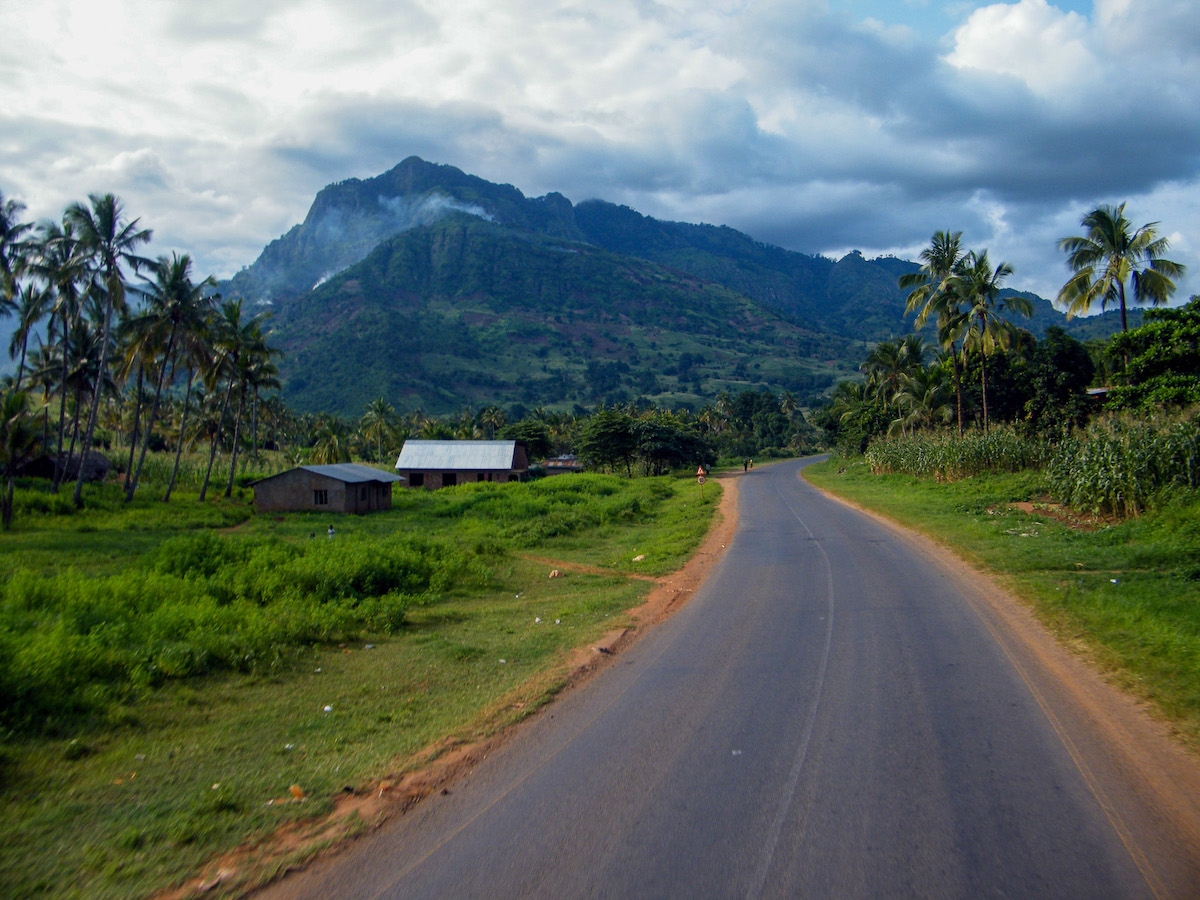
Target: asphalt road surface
{"points": [[832, 715]]}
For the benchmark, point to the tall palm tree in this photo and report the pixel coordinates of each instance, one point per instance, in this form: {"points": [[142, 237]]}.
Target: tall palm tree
{"points": [[377, 423], [932, 293], [31, 304], [1112, 253], [56, 260], [12, 246], [174, 305], [110, 239], [987, 330], [888, 363]]}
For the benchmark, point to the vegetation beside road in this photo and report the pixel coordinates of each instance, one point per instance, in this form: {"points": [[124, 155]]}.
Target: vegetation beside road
{"points": [[189, 713], [1124, 589]]}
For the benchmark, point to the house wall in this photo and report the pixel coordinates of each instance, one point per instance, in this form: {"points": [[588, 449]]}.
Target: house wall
{"points": [[433, 479], [296, 491]]}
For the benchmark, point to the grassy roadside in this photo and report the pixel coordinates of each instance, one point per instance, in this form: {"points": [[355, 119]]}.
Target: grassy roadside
{"points": [[137, 796], [1128, 591]]}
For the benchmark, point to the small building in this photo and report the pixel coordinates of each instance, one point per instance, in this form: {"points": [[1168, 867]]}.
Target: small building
{"points": [[438, 464], [95, 466], [560, 464], [339, 488]]}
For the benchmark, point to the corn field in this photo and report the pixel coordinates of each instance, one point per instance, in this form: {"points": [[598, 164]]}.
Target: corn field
{"points": [[948, 457], [1120, 466], [1124, 466]]}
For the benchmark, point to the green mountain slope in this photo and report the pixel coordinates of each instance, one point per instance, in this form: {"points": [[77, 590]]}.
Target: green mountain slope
{"points": [[465, 311]]}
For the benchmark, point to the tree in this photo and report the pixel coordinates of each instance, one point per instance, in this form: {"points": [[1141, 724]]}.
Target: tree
{"points": [[18, 443], [110, 239], [12, 248], [377, 424], [978, 285], [1163, 359], [31, 304], [1111, 254], [933, 293], [174, 306], [332, 444], [607, 439]]}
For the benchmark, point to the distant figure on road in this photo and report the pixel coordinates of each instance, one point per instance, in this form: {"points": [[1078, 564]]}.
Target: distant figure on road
{"points": [[746, 464]]}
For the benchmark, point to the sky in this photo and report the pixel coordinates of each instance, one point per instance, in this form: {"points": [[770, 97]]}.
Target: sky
{"points": [[819, 125]]}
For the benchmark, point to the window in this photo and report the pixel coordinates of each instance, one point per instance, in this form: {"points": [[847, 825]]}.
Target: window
{"points": [[449, 479], [321, 498], [416, 479]]}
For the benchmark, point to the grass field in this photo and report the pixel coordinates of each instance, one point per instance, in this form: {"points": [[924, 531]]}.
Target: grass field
{"points": [[1128, 590], [145, 778]]}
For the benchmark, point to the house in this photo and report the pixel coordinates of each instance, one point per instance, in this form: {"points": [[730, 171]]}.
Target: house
{"points": [[437, 464], [95, 466], [560, 464], [339, 488]]}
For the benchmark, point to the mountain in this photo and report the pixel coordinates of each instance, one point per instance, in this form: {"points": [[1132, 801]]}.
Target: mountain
{"points": [[437, 289], [468, 312]]}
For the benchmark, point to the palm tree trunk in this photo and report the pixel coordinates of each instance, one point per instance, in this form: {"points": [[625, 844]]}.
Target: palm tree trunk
{"points": [[133, 434], [212, 453], [129, 491], [62, 415], [983, 382], [187, 396], [958, 389], [90, 431], [237, 429]]}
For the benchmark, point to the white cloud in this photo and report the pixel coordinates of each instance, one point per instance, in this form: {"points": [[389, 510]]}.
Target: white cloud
{"points": [[818, 125]]}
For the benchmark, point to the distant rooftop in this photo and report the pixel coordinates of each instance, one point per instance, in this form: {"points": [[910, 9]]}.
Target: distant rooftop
{"points": [[353, 473], [453, 456]]}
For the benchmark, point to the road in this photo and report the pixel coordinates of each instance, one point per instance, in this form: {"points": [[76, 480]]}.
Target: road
{"points": [[834, 714]]}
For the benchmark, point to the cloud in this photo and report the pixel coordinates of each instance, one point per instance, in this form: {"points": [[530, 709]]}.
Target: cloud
{"points": [[798, 121]]}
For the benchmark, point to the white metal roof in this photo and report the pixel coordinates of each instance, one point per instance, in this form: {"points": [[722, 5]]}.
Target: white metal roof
{"points": [[450, 456]]}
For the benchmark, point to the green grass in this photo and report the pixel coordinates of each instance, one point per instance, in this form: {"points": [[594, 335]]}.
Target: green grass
{"points": [[1129, 591], [148, 783]]}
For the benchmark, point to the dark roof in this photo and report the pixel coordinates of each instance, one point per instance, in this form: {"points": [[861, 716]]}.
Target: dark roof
{"points": [[350, 473]]}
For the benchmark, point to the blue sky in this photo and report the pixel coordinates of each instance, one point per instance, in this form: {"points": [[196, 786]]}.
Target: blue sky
{"points": [[820, 125]]}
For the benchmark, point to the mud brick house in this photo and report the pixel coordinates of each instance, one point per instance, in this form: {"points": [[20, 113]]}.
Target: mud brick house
{"points": [[438, 464], [339, 488]]}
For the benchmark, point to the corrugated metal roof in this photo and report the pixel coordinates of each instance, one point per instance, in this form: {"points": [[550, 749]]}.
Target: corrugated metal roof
{"points": [[453, 456], [353, 473]]}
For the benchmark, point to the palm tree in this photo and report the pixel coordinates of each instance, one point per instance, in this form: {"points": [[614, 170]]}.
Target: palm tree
{"points": [[174, 306], [377, 423], [18, 443], [888, 363], [31, 304], [110, 239], [1112, 253], [932, 293], [987, 330], [56, 260], [12, 248], [332, 442], [923, 400]]}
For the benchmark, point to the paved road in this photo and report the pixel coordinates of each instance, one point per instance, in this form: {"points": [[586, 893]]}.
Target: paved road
{"points": [[830, 716]]}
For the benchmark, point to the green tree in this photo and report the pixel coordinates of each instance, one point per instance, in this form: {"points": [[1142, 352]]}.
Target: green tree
{"points": [[378, 424], [110, 240], [1111, 254], [175, 307], [1163, 355], [933, 292], [608, 439], [979, 285]]}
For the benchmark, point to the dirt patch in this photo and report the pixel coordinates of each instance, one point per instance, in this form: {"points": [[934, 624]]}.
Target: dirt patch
{"points": [[1064, 515], [435, 768]]}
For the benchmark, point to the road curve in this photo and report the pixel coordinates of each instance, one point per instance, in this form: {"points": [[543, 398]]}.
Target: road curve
{"points": [[831, 715]]}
